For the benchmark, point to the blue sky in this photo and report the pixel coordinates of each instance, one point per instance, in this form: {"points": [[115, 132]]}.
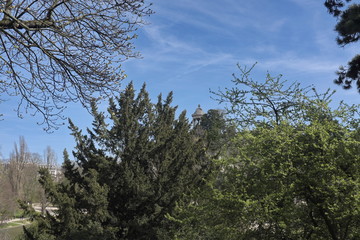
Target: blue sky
{"points": [[192, 46]]}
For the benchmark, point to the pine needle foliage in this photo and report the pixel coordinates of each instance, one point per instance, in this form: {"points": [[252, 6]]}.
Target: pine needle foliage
{"points": [[131, 168]]}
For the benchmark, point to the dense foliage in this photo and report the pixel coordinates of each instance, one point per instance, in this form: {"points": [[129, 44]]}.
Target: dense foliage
{"points": [[290, 170], [130, 171], [286, 178], [216, 131]]}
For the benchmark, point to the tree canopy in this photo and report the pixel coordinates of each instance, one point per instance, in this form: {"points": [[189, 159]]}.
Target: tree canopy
{"points": [[58, 51], [216, 131], [348, 29], [130, 171], [287, 176]]}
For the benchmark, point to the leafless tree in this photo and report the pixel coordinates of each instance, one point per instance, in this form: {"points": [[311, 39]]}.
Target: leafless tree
{"points": [[16, 167], [6, 200], [30, 185], [12, 180], [58, 51], [49, 157]]}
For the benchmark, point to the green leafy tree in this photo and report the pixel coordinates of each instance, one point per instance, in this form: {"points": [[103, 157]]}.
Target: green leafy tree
{"points": [[348, 32], [130, 171], [287, 179], [293, 182]]}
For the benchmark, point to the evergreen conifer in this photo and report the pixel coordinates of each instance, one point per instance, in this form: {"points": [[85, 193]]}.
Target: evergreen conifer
{"points": [[129, 173]]}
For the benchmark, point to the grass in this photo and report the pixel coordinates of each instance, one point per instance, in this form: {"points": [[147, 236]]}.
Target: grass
{"points": [[7, 225], [19, 213], [14, 224], [13, 229], [12, 232]]}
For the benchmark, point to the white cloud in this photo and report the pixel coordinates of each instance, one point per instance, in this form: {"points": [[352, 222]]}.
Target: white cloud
{"points": [[308, 3], [209, 60], [265, 48], [166, 42], [186, 56], [303, 64], [228, 16]]}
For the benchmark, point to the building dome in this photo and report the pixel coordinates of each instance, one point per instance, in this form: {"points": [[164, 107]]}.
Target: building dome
{"points": [[198, 113]]}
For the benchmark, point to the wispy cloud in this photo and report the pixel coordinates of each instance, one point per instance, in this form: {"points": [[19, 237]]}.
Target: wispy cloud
{"points": [[308, 3], [214, 17], [166, 42], [294, 63], [186, 56], [208, 60]]}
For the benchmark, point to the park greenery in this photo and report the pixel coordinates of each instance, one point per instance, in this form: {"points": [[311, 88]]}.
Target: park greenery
{"points": [[281, 161], [19, 182], [292, 172], [19, 179], [131, 169]]}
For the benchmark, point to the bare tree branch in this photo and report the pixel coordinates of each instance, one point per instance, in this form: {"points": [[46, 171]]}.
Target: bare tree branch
{"points": [[57, 51]]}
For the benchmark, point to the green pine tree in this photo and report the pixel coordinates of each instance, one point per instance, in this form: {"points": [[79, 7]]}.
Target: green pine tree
{"points": [[217, 132], [130, 171], [348, 31]]}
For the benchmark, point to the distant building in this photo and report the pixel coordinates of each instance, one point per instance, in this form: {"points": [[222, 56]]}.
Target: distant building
{"points": [[196, 121], [55, 171], [197, 115]]}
